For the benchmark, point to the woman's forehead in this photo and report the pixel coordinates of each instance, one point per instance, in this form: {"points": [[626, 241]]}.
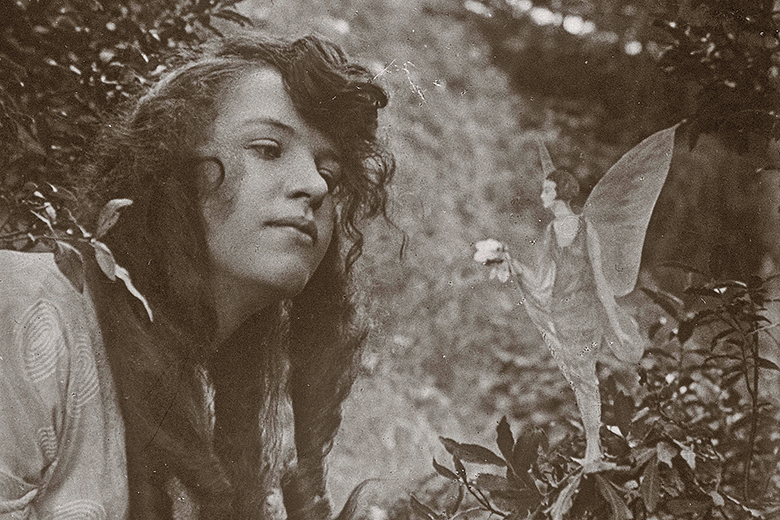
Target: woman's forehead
{"points": [[259, 98]]}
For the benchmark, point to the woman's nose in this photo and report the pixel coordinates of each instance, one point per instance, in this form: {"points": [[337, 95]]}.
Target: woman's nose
{"points": [[307, 182]]}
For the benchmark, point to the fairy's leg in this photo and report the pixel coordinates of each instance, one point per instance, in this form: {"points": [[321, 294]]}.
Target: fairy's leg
{"points": [[577, 362], [586, 390]]}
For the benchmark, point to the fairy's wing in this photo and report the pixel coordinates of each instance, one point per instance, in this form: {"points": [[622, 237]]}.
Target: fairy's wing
{"points": [[620, 206]]}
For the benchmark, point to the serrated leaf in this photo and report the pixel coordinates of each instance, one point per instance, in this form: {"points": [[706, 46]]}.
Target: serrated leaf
{"points": [[109, 215], [650, 487], [443, 471], [565, 499], [70, 262], [422, 510], [620, 510]]}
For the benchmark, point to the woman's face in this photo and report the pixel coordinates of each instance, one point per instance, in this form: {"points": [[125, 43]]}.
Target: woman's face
{"points": [[269, 223], [548, 194]]}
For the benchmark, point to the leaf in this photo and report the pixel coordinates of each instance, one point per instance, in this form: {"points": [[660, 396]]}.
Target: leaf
{"points": [[492, 483], [685, 330], [650, 488], [449, 444], [459, 468], [422, 510], [721, 335], [682, 506], [684, 267], [123, 275], [356, 497], [717, 498], [620, 510], [70, 263], [443, 471], [765, 363], [666, 452], [109, 215], [516, 499], [505, 440], [233, 16], [703, 291], [105, 259], [453, 508], [565, 498], [689, 456], [472, 453], [623, 410], [668, 302], [525, 452]]}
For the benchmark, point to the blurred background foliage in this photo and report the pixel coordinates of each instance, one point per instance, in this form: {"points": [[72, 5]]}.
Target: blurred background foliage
{"points": [[473, 85]]}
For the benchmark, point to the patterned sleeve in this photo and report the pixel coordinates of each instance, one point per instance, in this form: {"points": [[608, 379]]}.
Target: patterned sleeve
{"points": [[49, 398]]}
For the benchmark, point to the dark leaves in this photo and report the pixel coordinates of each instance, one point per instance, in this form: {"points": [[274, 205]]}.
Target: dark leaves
{"points": [[505, 439], [650, 487], [422, 510], [444, 472], [471, 453], [619, 508], [623, 411], [70, 263]]}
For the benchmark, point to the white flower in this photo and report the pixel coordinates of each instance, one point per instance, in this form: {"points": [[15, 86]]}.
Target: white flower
{"points": [[501, 271], [489, 251]]}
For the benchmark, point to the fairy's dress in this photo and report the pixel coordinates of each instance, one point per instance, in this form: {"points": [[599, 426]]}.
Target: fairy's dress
{"points": [[562, 301]]}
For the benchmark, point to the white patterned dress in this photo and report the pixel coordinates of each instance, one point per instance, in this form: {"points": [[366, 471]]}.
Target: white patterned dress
{"points": [[62, 452]]}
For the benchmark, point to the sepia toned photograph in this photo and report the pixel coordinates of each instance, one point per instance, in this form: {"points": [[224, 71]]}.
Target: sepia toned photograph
{"points": [[389, 259]]}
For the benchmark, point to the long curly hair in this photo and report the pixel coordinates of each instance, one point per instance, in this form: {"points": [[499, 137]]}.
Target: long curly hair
{"points": [[162, 369]]}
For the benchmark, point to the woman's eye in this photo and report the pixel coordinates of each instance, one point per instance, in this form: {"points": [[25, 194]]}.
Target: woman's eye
{"points": [[331, 172], [266, 149]]}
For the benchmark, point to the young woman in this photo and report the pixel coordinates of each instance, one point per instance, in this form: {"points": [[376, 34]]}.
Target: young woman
{"points": [[250, 169]]}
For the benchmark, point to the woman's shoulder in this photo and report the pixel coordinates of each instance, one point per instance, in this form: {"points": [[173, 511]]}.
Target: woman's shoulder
{"points": [[32, 288], [30, 276]]}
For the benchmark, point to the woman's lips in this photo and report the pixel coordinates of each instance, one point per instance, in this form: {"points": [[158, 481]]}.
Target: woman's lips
{"points": [[302, 224]]}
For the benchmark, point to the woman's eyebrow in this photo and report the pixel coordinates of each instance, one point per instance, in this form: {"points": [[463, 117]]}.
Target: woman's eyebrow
{"points": [[269, 121]]}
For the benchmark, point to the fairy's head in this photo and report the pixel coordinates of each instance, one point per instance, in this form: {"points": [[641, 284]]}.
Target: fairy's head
{"points": [[559, 185]]}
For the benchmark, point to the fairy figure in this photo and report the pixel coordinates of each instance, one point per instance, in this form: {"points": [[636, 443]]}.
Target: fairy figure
{"points": [[583, 262]]}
